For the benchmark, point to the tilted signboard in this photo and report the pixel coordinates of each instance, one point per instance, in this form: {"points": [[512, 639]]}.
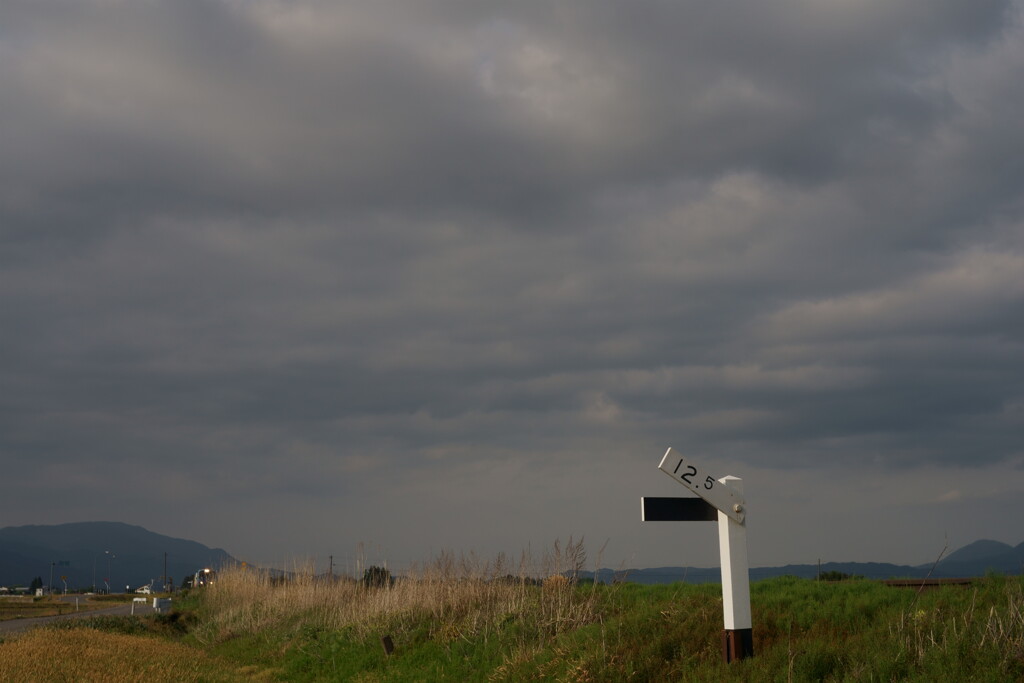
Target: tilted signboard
{"points": [[699, 480], [720, 500]]}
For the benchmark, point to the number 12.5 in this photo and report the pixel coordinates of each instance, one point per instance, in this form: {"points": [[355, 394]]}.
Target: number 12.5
{"points": [[691, 470]]}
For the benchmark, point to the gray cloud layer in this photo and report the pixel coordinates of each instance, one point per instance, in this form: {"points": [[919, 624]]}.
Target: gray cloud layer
{"points": [[473, 266]]}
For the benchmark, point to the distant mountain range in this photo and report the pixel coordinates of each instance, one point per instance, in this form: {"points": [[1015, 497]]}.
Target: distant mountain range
{"points": [[975, 559], [96, 553], [90, 553]]}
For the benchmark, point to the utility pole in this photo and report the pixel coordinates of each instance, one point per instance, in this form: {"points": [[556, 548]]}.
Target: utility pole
{"points": [[331, 573], [163, 579]]}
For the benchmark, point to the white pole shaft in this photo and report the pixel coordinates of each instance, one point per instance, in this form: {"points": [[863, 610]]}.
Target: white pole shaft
{"points": [[732, 544]]}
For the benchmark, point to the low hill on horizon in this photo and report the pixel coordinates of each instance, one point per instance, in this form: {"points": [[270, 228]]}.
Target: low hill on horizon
{"points": [[98, 553], [975, 559], [983, 549], [79, 551]]}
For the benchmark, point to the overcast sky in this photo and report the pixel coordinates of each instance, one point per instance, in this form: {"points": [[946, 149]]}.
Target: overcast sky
{"points": [[284, 276]]}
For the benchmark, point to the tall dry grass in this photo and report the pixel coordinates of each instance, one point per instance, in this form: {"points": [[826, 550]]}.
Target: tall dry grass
{"points": [[459, 596]]}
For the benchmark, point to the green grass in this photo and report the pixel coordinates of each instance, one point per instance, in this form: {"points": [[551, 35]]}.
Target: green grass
{"points": [[803, 631], [455, 627]]}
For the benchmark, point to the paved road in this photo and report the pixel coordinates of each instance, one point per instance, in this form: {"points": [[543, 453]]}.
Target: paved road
{"points": [[17, 625]]}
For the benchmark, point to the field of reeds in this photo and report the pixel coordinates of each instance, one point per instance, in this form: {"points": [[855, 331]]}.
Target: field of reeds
{"points": [[461, 619]]}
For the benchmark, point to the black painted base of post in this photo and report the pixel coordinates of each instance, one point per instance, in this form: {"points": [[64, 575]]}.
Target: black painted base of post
{"points": [[737, 644]]}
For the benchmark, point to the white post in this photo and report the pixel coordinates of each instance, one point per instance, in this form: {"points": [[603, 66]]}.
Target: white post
{"points": [[737, 638]]}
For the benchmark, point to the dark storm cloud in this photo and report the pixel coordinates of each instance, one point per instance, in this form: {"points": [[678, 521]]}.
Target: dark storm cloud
{"points": [[208, 102], [309, 250]]}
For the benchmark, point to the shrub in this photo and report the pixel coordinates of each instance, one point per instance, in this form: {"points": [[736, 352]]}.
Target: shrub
{"points": [[377, 577]]}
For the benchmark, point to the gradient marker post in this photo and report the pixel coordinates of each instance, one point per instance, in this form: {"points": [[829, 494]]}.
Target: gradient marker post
{"points": [[738, 636], [721, 500]]}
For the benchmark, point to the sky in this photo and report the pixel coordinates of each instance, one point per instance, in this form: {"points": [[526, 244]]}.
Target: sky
{"points": [[382, 279]]}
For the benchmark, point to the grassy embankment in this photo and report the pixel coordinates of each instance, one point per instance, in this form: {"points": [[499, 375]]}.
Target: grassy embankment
{"points": [[476, 630], [465, 622]]}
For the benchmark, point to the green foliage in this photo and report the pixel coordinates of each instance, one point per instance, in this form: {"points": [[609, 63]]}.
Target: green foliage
{"points": [[837, 576]]}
